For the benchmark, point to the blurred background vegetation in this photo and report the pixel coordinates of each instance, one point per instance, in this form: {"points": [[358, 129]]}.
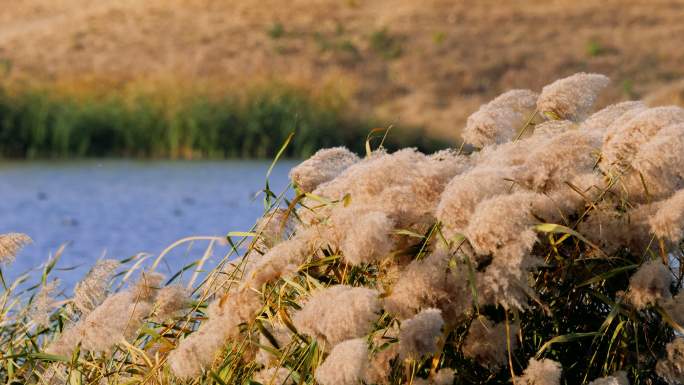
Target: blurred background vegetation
{"points": [[40, 123], [214, 79]]}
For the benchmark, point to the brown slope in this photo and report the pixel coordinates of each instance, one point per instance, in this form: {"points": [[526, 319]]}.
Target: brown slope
{"points": [[434, 64]]}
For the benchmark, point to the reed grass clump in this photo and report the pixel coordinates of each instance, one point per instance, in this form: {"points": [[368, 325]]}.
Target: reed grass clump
{"points": [[10, 244], [145, 121], [534, 260]]}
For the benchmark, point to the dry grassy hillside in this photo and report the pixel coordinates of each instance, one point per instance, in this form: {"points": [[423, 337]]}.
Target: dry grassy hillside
{"points": [[428, 62]]}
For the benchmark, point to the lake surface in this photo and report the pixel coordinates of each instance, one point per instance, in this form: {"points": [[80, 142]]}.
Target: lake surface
{"points": [[120, 208]]}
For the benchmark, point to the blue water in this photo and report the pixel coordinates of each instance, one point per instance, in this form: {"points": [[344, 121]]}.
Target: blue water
{"points": [[120, 208]]}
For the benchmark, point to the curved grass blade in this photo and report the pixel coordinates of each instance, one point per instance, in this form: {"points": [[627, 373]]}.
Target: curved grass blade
{"points": [[564, 339]]}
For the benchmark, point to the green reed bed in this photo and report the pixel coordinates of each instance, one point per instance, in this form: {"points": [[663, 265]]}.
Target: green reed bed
{"points": [[43, 123]]}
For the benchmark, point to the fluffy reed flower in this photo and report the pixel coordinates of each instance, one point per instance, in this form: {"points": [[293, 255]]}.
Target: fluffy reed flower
{"points": [[505, 282], [503, 226], [556, 205], [638, 234], [650, 285], [274, 376], [197, 351], [675, 308], [338, 313], [486, 342], [283, 259], [465, 191], [282, 336], [614, 132], [117, 319], [365, 235], [618, 378], [602, 226], [562, 158], [508, 155], [322, 167], [372, 175], [404, 185], [656, 167], [385, 350], [54, 374], [500, 120], [668, 221], [430, 282], [445, 376], [147, 287], [442, 165], [171, 302], [671, 368], [445, 156], [419, 336], [605, 118], [43, 304], [544, 372], [92, 290], [412, 204], [611, 228], [273, 228], [554, 127], [10, 244], [571, 98], [345, 365], [621, 144]]}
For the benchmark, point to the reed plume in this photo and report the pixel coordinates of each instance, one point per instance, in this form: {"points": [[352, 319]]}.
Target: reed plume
{"points": [[505, 263], [571, 98], [10, 244]]}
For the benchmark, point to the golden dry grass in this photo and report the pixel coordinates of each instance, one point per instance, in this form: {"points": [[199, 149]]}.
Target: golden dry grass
{"points": [[429, 62]]}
